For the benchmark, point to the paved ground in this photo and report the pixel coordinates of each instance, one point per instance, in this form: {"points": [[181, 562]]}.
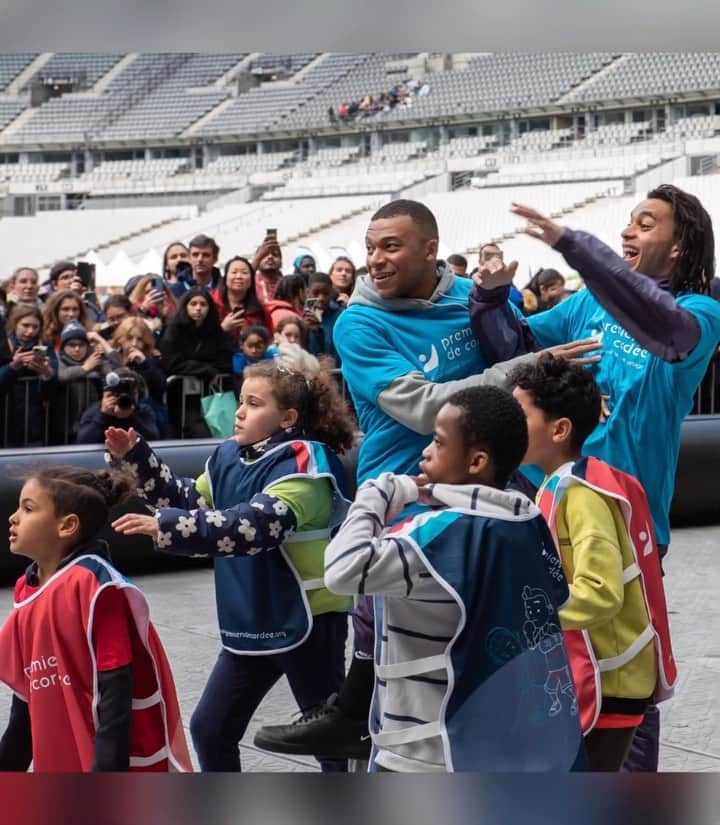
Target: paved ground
{"points": [[182, 605]]}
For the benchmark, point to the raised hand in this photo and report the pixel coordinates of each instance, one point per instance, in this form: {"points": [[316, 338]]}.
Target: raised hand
{"points": [[136, 524], [119, 442], [539, 225], [495, 273]]}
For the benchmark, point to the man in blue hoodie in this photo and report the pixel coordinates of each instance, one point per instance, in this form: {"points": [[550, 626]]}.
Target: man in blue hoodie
{"points": [[406, 347], [657, 327]]}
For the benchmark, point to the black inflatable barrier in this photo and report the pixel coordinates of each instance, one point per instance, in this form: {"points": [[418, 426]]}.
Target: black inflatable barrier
{"points": [[131, 554], [696, 500]]}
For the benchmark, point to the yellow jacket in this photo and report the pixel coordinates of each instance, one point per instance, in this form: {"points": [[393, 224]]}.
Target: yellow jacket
{"points": [[594, 550]]}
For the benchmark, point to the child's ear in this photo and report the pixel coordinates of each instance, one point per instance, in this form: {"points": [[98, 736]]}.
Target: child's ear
{"points": [[289, 419], [479, 462], [562, 431], [68, 526]]}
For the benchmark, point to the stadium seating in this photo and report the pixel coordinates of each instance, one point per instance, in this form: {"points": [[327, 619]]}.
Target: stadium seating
{"points": [[175, 105], [50, 236], [78, 117], [652, 74], [84, 67], [239, 228], [11, 65]]}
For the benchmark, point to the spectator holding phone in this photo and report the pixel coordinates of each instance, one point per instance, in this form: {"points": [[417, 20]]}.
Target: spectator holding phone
{"points": [[267, 264], [84, 284], [174, 253], [319, 315], [33, 359], [61, 276], [236, 299], [153, 300]]}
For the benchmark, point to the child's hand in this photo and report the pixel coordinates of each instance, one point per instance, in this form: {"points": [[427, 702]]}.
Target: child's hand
{"points": [[425, 495], [119, 442], [92, 361], [136, 524]]}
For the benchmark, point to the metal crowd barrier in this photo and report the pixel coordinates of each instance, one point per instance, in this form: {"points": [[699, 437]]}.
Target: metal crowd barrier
{"points": [[190, 386], [707, 402], [23, 385]]}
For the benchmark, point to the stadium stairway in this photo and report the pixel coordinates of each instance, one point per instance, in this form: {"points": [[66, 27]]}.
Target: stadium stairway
{"points": [[232, 73], [345, 216], [116, 70], [20, 81], [17, 123], [606, 69], [120, 239]]}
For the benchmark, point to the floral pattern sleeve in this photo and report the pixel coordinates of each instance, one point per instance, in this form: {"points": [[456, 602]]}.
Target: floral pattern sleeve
{"points": [[244, 530], [157, 484]]}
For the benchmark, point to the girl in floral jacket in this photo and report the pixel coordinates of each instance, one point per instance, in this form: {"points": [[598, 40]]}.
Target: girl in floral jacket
{"points": [[276, 492]]}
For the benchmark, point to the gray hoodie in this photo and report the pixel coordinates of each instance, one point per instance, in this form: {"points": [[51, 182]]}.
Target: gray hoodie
{"points": [[411, 399]]}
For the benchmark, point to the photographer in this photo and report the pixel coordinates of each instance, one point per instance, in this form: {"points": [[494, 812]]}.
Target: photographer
{"points": [[120, 406]]}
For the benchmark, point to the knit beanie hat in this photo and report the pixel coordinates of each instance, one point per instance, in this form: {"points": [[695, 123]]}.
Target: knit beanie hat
{"points": [[73, 331]]}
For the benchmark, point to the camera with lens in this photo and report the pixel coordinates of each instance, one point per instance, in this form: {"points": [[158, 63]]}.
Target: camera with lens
{"points": [[122, 388]]}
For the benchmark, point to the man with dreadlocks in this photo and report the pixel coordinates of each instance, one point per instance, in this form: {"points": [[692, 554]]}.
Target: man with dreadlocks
{"points": [[657, 329]]}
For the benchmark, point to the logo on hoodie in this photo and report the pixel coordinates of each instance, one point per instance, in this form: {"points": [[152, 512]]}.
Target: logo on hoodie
{"points": [[431, 363]]}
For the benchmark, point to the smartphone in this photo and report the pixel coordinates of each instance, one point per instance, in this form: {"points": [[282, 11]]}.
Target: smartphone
{"points": [[271, 233], [90, 296], [183, 271], [156, 284], [39, 349], [86, 273]]}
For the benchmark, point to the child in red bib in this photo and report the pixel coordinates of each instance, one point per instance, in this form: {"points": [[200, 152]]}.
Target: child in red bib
{"points": [[92, 686]]}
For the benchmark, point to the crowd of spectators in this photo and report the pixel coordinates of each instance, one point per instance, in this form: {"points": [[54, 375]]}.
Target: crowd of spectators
{"points": [[401, 94], [73, 363]]}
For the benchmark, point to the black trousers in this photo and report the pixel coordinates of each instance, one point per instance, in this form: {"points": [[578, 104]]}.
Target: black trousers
{"points": [[238, 684]]}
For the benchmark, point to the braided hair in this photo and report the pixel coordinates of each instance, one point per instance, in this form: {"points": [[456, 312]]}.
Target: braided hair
{"points": [[694, 233]]}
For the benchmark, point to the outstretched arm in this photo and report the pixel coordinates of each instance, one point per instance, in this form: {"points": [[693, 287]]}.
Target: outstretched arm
{"points": [[650, 314], [156, 481], [263, 523]]}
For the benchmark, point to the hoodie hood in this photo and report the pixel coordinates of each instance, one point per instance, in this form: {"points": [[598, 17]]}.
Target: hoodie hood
{"points": [[366, 294], [489, 501]]}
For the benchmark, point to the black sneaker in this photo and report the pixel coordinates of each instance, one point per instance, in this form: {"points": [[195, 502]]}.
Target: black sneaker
{"points": [[324, 732]]}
